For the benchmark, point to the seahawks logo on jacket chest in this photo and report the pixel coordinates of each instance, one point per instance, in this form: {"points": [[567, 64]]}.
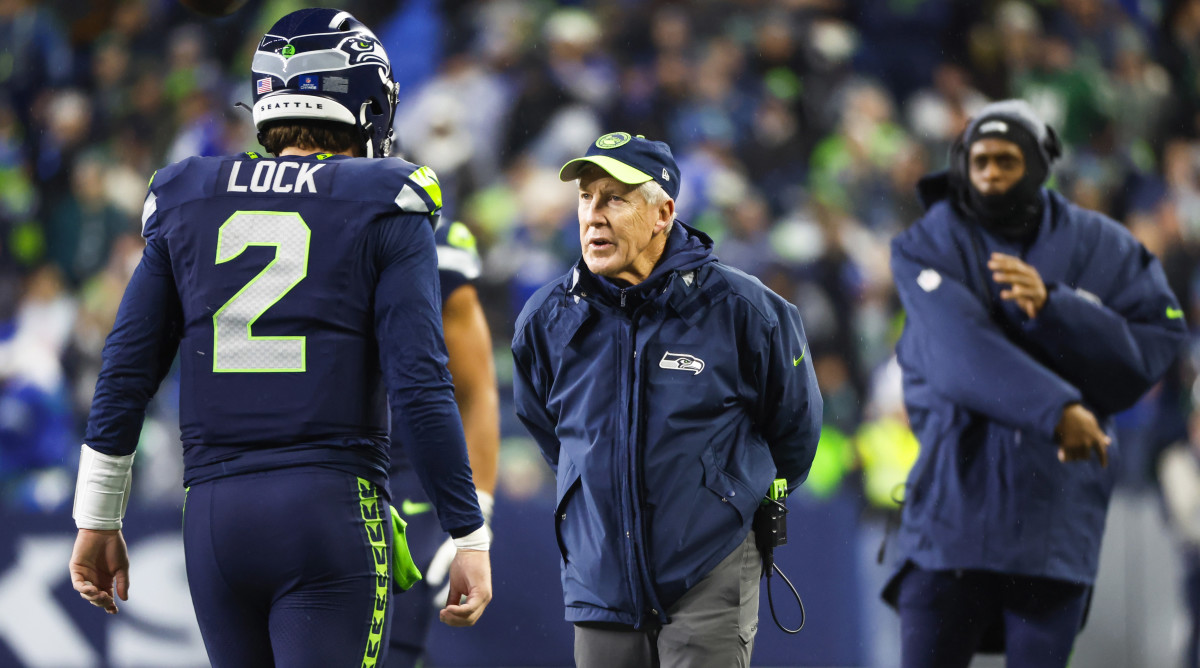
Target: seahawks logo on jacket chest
{"points": [[681, 362]]}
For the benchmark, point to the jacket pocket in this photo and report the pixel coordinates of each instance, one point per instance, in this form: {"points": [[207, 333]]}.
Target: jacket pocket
{"points": [[728, 488], [720, 507], [568, 484]]}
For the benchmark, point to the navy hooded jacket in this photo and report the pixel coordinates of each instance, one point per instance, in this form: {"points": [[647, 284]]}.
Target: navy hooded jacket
{"points": [[985, 386], [666, 409]]}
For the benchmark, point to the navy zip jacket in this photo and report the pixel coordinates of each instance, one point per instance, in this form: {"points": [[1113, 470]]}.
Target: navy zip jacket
{"points": [[666, 409], [985, 386]]}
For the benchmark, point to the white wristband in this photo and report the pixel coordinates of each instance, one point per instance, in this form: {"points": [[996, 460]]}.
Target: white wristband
{"points": [[479, 540], [102, 489]]}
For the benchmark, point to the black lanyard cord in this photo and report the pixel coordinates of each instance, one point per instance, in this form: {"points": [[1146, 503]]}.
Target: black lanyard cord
{"points": [[771, 601]]}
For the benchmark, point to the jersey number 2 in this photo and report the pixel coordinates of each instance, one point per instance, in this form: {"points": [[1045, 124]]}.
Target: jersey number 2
{"points": [[235, 347]]}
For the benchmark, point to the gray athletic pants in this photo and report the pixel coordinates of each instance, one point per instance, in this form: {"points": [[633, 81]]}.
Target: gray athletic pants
{"points": [[712, 626]]}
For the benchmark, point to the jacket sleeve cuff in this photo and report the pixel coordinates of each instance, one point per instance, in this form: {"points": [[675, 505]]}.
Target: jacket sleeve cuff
{"points": [[1051, 317], [1054, 416], [463, 531]]}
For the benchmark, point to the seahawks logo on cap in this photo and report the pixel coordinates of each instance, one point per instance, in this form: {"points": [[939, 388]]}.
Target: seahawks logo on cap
{"points": [[613, 140]]}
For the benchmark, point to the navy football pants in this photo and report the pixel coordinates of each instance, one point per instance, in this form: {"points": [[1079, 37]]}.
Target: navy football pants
{"points": [[944, 616], [289, 567], [413, 610]]}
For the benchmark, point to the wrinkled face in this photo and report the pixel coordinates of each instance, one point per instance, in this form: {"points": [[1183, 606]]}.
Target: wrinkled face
{"points": [[621, 234], [995, 165]]}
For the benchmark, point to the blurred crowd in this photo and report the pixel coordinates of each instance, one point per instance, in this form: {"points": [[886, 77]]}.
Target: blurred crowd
{"points": [[800, 127]]}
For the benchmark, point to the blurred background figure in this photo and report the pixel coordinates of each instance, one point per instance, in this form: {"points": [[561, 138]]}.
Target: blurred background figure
{"points": [[36, 430], [1179, 471]]}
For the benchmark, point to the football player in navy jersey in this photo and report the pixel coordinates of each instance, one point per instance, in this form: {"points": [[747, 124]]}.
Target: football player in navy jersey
{"points": [[301, 294], [469, 345]]}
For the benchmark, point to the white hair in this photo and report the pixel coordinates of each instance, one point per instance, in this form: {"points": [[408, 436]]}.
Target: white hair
{"points": [[652, 193], [654, 196]]}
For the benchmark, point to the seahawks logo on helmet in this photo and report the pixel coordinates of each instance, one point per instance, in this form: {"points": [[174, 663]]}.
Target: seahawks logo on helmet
{"points": [[365, 52], [353, 51]]}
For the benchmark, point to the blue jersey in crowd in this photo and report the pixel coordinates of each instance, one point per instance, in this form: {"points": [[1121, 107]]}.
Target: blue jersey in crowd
{"points": [[295, 289]]}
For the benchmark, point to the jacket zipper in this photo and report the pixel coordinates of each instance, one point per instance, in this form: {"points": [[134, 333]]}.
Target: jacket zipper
{"points": [[642, 543], [639, 542], [630, 497]]}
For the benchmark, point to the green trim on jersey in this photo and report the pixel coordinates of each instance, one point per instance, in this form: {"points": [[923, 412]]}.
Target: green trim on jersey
{"points": [[425, 178]]}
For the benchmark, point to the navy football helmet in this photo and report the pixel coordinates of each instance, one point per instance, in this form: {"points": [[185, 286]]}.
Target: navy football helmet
{"points": [[324, 64]]}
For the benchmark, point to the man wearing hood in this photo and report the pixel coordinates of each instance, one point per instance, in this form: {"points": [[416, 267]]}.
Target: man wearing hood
{"points": [[667, 391], [1030, 322]]}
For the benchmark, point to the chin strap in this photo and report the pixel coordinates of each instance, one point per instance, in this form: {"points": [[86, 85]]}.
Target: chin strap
{"points": [[365, 128], [385, 147]]}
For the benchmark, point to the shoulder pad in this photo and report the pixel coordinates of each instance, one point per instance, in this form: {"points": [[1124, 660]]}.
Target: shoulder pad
{"points": [[159, 181], [413, 188]]}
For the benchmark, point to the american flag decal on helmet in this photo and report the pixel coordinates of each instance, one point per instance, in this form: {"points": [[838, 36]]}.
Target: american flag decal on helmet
{"points": [[264, 85]]}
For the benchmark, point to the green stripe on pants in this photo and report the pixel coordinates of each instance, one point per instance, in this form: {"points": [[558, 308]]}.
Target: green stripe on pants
{"points": [[371, 508]]}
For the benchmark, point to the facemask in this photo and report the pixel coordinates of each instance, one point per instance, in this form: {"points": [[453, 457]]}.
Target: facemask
{"points": [[1014, 214]]}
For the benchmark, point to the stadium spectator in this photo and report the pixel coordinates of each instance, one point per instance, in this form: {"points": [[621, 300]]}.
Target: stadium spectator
{"points": [[1179, 473], [35, 411], [84, 224]]}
